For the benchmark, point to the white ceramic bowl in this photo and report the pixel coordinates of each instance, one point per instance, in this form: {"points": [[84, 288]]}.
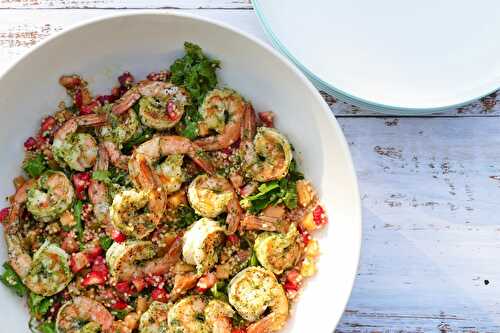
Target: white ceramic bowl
{"points": [[142, 42]]}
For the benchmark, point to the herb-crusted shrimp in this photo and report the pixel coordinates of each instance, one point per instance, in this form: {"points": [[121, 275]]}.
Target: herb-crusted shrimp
{"points": [[166, 205]]}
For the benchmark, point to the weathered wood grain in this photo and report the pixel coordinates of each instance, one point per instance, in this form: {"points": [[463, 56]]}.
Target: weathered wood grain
{"points": [[118, 4], [20, 30], [431, 234]]}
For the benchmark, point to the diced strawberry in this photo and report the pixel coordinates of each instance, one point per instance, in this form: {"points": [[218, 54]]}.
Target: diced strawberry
{"points": [[78, 98], [119, 305], [70, 245], [100, 266], [47, 124], [160, 295], [172, 113], [81, 180], [319, 216], [4, 213], [267, 118], [93, 253], [306, 237], [123, 287], [126, 79], [233, 239], [153, 280], [93, 278], [206, 282], [89, 108], [292, 276], [30, 143], [291, 286], [118, 236], [78, 261], [106, 99], [139, 284]]}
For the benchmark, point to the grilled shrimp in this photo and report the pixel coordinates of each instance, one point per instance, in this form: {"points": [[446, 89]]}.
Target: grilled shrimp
{"points": [[49, 196], [200, 242], [18, 202], [154, 320], [269, 157], [277, 252], [118, 128], [116, 157], [123, 259], [160, 146], [212, 195], [77, 150], [98, 191], [254, 291], [82, 315], [161, 104], [136, 213], [219, 105], [47, 273], [195, 314]]}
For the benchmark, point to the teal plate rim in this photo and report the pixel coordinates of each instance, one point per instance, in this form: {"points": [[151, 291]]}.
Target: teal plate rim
{"points": [[344, 96]]}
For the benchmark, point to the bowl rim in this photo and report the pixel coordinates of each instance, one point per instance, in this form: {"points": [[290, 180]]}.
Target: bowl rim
{"points": [[307, 84], [370, 105]]}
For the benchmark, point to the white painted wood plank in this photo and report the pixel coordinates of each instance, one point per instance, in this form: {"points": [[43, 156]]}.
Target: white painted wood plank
{"points": [[430, 189], [20, 30], [186, 4]]}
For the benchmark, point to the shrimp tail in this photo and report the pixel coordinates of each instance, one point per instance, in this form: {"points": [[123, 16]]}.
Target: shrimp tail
{"points": [[248, 128]]}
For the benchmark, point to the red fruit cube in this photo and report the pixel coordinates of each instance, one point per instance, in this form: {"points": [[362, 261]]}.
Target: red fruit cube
{"points": [[139, 284], [89, 108], [48, 124], [118, 236], [4, 213], [160, 295], [30, 143], [93, 278], [123, 287], [119, 305], [78, 261]]}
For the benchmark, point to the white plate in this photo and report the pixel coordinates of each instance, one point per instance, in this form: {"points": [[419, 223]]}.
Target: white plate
{"points": [[391, 55], [144, 42]]}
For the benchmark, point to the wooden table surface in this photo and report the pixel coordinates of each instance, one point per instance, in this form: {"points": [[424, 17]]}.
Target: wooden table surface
{"points": [[429, 186]]}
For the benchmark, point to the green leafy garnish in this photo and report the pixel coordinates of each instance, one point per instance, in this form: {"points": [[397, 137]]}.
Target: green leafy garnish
{"points": [[197, 74], [120, 314], [195, 71], [35, 166], [39, 305], [219, 290], [47, 327], [12, 280], [77, 213], [294, 173], [105, 242], [253, 259], [185, 217], [272, 193], [137, 139], [101, 175]]}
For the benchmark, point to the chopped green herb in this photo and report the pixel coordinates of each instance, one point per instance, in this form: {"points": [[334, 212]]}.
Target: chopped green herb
{"points": [[77, 213], [12, 280], [197, 73], [39, 305], [101, 175], [293, 172], [47, 327], [253, 259], [36, 166], [137, 139], [185, 217], [120, 314], [105, 242], [219, 290]]}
